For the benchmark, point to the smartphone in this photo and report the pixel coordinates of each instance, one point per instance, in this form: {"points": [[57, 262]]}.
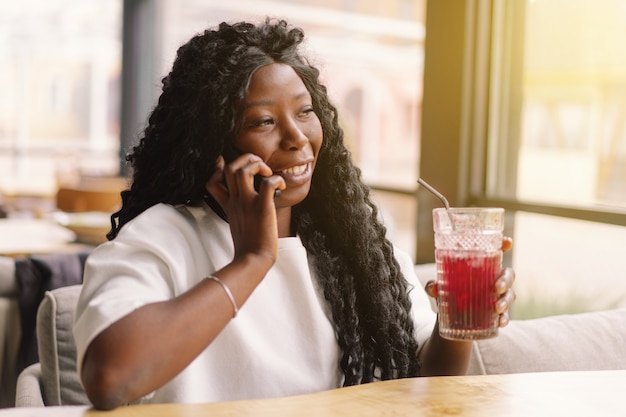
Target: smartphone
{"points": [[231, 153]]}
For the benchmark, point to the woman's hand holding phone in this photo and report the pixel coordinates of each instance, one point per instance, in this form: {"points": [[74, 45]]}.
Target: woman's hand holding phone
{"points": [[250, 213], [230, 154]]}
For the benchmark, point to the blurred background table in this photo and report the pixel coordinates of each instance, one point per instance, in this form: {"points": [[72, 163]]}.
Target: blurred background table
{"points": [[25, 237], [77, 212]]}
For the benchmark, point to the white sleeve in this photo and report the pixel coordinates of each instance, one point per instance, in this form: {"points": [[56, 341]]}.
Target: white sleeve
{"points": [[150, 260]]}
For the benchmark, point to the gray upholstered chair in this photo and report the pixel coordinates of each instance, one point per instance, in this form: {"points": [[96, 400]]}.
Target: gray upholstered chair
{"points": [[10, 331], [54, 380], [570, 342]]}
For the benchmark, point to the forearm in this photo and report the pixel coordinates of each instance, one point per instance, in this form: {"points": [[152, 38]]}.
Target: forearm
{"points": [[147, 348], [441, 356]]}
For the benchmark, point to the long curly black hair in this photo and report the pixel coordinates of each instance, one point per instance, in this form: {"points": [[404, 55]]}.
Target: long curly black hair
{"points": [[197, 113]]}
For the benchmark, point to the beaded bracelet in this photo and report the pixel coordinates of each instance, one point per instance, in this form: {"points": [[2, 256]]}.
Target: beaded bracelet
{"points": [[228, 293]]}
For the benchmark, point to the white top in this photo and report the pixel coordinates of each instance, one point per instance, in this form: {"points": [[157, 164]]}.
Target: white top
{"points": [[282, 341]]}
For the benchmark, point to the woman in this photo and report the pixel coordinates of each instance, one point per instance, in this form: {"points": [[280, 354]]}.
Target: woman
{"points": [[210, 290]]}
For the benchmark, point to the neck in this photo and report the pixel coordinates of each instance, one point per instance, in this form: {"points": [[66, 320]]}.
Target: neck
{"points": [[283, 219]]}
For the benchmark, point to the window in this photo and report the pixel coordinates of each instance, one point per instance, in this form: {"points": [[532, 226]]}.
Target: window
{"points": [[535, 124]]}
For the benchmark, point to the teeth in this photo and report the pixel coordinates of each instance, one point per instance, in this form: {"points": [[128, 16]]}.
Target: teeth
{"points": [[295, 170]]}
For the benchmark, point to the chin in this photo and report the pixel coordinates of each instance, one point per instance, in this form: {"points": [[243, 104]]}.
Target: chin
{"points": [[290, 198]]}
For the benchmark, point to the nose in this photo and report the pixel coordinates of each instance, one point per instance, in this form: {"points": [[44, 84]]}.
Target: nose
{"points": [[294, 137]]}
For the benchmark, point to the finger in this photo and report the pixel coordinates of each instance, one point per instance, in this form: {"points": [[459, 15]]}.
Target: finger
{"points": [[504, 319], [505, 280], [505, 302], [254, 164], [215, 185], [272, 186], [243, 171], [507, 244], [431, 289]]}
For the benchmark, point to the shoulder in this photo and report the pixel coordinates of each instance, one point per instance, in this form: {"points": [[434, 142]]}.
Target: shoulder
{"points": [[159, 221], [174, 233], [161, 232], [160, 213]]}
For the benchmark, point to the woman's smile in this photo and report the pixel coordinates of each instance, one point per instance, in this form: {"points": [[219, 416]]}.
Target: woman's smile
{"points": [[296, 174]]}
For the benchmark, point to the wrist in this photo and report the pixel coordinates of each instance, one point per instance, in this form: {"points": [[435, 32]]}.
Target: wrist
{"points": [[257, 262]]}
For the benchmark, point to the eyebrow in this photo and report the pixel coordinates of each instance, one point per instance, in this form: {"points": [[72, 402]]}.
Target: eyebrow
{"points": [[270, 102]]}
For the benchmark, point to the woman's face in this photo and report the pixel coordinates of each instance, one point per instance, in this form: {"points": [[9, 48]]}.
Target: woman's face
{"points": [[279, 125]]}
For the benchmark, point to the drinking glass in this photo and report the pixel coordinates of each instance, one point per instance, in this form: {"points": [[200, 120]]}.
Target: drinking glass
{"points": [[468, 252]]}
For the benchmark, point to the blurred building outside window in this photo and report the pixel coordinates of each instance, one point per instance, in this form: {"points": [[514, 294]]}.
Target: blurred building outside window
{"points": [[59, 111]]}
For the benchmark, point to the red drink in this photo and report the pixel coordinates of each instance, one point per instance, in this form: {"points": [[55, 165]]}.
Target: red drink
{"points": [[468, 251], [467, 294]]}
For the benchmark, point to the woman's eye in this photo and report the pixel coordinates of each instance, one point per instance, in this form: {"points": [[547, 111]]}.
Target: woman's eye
{"points": [[262, 122], [307, 112]]}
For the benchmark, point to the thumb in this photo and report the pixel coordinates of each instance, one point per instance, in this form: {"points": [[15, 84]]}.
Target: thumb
{"points": [[431, 289]]}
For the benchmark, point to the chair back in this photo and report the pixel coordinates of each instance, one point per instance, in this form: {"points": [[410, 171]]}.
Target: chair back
{"points": [[60, 383]]}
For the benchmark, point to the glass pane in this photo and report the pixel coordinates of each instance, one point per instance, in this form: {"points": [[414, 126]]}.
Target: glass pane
{"points": [[572, 144], [60, 92]]}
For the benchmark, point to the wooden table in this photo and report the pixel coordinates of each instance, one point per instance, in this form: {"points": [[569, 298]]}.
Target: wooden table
{"points": [[588, 394]]}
